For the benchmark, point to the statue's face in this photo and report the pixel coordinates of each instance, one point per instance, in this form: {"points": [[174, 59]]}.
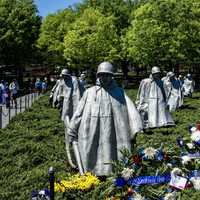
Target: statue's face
{"points": [[156, 76], [105, 79], [66, 77], [172, 78]]}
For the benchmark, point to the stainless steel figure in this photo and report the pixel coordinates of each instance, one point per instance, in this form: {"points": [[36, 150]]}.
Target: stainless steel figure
{"points": [[188, 85], [68, 95], [105, 122], [173, 91], [151, 101], [78, 157]]}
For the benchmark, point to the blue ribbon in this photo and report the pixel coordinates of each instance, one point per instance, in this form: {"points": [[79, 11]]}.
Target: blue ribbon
{"points": [[194, 173], [144, 180], [150, 180]]}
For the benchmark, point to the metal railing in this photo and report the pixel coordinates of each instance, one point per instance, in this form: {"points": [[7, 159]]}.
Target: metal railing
{"points": [[23, 103]]}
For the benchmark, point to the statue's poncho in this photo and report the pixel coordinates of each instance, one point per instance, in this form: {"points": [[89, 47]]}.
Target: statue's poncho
{"points": [[54, 91], [104, 123], [151, 103], [188, 87], [70, 92], [173, 93]]}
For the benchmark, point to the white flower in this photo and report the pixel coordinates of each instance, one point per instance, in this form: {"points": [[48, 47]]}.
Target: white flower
{"points": [[190, 145], [169, 165], [137, 196], [127, 173], [193, 129], [196, 182], [170, 196], [176, 171], [195, 136], [185, 159], [150, 152]]}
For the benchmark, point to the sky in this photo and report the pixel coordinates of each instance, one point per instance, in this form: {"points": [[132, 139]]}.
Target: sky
{"points": [[46, 7]]}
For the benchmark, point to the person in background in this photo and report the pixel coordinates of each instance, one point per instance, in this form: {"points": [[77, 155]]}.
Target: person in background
{"points": [[2, 90], [38, 85], [44, 86], [105, 121], [68, 97], [7, 95], [31, 86], [152, 101], [14, 88]]}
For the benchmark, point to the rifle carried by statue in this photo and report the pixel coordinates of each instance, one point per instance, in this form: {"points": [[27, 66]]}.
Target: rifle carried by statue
{"points": [[75, 153]]}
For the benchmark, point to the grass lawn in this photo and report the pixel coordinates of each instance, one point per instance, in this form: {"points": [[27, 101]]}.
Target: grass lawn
{"points": [[34, 141]]}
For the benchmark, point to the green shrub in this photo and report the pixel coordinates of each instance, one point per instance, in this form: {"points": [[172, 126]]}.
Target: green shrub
{"points": [[34, 141]]}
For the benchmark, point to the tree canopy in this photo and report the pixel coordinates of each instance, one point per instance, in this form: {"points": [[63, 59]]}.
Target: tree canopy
{"points": [[92, 39], [52, 32], [164, 33], [19, 29], [137, 32]]}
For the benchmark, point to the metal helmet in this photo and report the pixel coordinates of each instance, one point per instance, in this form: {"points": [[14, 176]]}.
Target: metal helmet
{"points": [[170, 74], [189, 75], [82, 75], [65, 72], [105, 67], [155, 70]]}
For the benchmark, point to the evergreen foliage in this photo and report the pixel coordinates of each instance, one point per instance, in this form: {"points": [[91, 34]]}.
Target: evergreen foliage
{"points": [[34, 141]]}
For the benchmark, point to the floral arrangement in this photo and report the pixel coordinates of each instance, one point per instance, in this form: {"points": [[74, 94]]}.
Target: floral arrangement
{"points": [[190, 148], [131, 172], [77, 182], [147, 173], [169, 177]]}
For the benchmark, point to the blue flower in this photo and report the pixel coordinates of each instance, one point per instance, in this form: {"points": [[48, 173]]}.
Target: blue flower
{"points": [[120, 182], [125, 161], [34, 194], [141, 152], [194, 173], [42, 193], [173, 162], [198, 143], [130, 197], [159, 155]]}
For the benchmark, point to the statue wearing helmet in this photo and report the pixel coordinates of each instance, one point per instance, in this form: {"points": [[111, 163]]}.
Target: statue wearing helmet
{"points": [[105, 67], [65, 72], [155, 70], [173, 91], [188, 86], [105, 122], [53, 99], [152, 103], [68, 96], [82, 81], [105, 73]]}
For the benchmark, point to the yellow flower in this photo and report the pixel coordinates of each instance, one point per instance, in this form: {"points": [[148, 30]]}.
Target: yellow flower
{"points": [[77, 182]]}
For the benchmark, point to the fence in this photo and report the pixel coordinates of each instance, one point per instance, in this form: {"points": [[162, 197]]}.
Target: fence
{"points": [[23, 103]]}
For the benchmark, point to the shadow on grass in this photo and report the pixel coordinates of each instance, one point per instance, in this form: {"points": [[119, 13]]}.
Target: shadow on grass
{"points": [[196, 97], [187, 107], [163, 130]]}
